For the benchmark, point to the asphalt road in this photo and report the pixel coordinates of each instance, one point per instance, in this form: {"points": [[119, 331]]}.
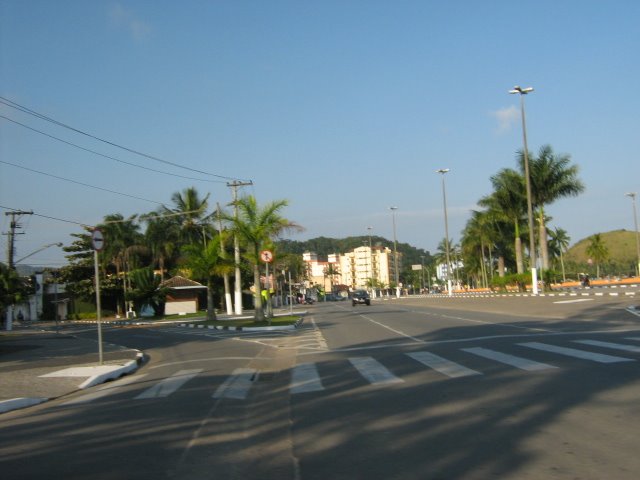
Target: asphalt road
{"points": [[432, 388]]}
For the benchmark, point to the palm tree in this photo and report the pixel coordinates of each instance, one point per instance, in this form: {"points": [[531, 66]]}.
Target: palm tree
{"points": [[162, 239], [122, 239], [597, 250], [205, 262], [559, 243], [552, 178], [257, 227], [146, 290], [191, 214], [509, 202]]}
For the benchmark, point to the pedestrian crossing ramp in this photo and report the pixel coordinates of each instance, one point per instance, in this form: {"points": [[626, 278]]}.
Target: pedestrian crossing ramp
{"points": [[306, 378]]}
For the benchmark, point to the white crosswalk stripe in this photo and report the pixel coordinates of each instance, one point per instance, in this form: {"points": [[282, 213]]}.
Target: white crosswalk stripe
{"points": [[106, 390], [373, 371], [518, 362], [237, 386], [305, 378], [442, 365], [573, 352], [169, 385], [614, 346]]}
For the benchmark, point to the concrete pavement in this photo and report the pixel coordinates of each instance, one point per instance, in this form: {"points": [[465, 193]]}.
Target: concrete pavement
{"points": [[37, 364]]}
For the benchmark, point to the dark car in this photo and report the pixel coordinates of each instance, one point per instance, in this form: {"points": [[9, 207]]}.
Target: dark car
{"points": [[360, 297]]}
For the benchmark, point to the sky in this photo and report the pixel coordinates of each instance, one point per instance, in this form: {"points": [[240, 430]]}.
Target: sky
{"points": [[343, 108]]}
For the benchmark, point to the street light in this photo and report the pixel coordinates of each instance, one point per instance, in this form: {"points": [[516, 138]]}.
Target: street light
{"points": [[635, 222], [442, 172], [532, 243], [57, 244], [395, 251]]}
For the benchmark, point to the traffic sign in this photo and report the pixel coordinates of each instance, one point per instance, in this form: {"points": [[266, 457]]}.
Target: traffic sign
{"points": [[266, 256], [97, 239]]}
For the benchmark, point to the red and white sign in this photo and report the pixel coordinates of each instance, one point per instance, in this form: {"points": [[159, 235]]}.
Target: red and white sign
{"points": [[266, 256]]}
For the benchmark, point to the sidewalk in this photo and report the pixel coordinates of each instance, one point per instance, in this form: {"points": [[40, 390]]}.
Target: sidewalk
{"points": [[37, 365]]}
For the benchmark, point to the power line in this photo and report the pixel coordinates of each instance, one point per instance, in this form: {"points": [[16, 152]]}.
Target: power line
{"points": [[106, 156], [79, 183], [17, 106]]}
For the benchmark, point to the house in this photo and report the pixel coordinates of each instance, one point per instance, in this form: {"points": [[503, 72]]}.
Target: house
{"points": [[183, 295]]}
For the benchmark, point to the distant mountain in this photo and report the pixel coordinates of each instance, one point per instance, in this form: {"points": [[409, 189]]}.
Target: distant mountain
{"points": [[324, 246]]}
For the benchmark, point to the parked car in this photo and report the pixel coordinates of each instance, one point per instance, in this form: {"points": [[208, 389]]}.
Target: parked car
{"points": [[360, 297]]}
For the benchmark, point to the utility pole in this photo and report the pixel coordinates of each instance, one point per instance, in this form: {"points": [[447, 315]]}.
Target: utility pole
{"points": [[236, 246], [13, 226], [227, 293]]}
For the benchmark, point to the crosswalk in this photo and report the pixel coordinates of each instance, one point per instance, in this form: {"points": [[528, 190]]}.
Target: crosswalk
{"points": [[306, 378]]}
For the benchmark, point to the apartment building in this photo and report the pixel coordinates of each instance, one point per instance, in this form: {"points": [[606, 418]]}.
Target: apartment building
{"points": [[354, 269]]}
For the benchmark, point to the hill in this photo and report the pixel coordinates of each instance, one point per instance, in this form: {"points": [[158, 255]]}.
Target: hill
{"points": [[622, 252], [323, 246]]}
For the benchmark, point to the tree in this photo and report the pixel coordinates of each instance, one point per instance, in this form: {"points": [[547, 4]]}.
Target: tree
{"points": [[257, 227], [552, 178], [598, 251], [146, 291], [558, 245], [13, 288], [509, 201], [190, 213], [162, 239], [206, 262]]}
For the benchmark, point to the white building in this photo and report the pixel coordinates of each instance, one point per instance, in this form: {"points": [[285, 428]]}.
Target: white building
{"points": [[355, 269]]}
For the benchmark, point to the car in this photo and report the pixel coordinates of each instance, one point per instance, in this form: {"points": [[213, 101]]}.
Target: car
{"points": [[360, 297]]}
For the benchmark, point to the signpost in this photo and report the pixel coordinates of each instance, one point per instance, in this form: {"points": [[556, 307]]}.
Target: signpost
{"points": [[97, 240]]}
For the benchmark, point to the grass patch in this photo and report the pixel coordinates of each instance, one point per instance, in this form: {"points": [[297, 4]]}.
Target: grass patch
{"points": [[250, 322]]}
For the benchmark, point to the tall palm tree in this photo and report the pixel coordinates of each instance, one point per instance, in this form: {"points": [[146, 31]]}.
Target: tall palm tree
{"points": [[559, 243], [190, 212], [162, 239], [509, 201], [206, 262], [552, 178], [257, 226], [122, 241], [597, 250]]}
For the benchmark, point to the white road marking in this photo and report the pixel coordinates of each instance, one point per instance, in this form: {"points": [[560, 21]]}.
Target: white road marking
{"points": [[572, 352], [374, 371], [442, 365], [305, 378], [576, 301], [237, 386], [108, 389], [169, 385], [518, 362], [615, 346]]}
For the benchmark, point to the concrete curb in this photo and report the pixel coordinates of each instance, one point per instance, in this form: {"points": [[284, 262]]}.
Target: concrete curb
{"points": [[243, 329], [114, 373], [17, 403]]}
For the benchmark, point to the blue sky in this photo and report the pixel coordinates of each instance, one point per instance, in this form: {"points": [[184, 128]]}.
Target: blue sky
{"points": [[344, 108]]}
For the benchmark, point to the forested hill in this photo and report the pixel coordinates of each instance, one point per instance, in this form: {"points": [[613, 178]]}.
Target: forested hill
{"points": [[324, 246]]}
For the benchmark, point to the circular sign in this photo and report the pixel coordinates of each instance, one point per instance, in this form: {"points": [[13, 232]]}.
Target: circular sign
{"points": [[266, 256], [97, 239]]}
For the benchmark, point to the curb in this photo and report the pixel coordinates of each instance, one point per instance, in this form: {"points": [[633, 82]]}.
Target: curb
{"points": [[115, 373], [243, 329]]}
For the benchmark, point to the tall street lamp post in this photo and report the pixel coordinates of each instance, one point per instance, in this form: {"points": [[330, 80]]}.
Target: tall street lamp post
{"points": [[442, 172], [635, 223], [532, 243], [395, 251]]}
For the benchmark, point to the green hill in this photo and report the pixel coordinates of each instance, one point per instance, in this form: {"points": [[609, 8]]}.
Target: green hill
{"points": [[622, 253]]}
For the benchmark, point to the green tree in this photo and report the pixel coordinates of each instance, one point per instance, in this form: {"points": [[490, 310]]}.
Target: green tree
{"points": [[509, 202], [146, 291], [257, 227], [552, 178], [205, 263], [558, 245], [13, 288], [597, 250], [190, 213], [162, 237]]}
